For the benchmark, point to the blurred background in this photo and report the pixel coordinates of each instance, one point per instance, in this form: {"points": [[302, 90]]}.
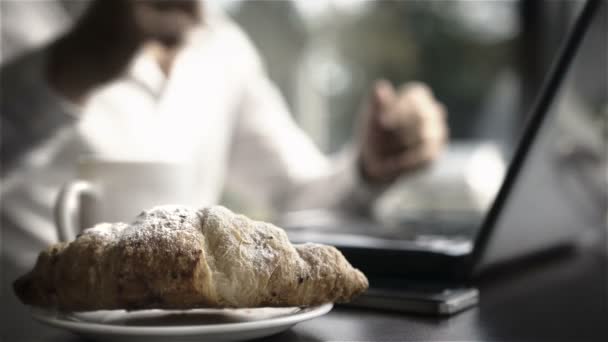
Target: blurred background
{"points": [[485, 60]]}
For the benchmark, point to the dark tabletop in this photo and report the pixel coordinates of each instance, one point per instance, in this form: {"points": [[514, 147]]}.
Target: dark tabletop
{"points": [[561, 299]]}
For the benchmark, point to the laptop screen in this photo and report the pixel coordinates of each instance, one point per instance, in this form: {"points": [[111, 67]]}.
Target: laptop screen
{"points": [[559, 192]]}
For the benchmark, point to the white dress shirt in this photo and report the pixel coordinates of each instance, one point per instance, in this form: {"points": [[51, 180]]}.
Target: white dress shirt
{"points": [[217, 107]]}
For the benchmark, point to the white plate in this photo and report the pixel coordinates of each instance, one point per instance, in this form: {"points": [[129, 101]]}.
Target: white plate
{"points": [[188, 325]]}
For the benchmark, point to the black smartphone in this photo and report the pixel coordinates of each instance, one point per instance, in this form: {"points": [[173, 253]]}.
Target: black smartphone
{"points": [[434, 301]]}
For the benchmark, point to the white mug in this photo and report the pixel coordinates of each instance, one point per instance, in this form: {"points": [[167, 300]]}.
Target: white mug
{"points": [[118, 190]]}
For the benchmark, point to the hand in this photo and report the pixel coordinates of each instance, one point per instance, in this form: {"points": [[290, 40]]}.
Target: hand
{"points": [[104, 41], [402, 131]]}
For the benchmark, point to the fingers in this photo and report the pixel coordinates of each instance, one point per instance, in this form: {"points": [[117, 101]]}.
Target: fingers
{"points": [[410, 130], [413, 116], [382, 97], [408, 108], [383, 93], [407, 131], [415, 159], [411, 160], [387, 164]]}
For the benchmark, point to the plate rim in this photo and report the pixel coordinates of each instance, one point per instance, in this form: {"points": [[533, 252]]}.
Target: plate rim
{"points": [[49, 317]]}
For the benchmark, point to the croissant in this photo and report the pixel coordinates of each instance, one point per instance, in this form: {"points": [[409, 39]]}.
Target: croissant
{"points": [[175, 257]]}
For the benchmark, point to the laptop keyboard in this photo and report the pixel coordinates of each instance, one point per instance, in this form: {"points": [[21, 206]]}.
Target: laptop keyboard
{"points": [[452, 237]]}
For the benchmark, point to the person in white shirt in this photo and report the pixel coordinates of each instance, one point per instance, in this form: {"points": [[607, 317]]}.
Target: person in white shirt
{"points": [[177, 79]]}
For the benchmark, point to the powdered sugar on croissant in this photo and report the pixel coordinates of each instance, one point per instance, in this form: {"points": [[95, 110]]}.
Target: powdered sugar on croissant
{"points": [[175, 257]]}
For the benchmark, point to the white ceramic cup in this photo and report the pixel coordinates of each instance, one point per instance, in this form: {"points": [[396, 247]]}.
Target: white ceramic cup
{"points": [[117, 191]]}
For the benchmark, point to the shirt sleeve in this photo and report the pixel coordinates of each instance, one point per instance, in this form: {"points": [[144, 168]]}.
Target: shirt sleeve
{"points": [[31, 112], [274, 162]]}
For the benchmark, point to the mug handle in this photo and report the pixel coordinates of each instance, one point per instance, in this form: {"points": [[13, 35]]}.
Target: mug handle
{"points": [[67, 207]]}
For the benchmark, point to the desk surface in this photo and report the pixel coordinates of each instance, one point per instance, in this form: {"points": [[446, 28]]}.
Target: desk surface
{"points": [[564, 299]]}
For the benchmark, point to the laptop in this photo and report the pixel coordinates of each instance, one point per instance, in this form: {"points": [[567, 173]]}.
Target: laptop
{"points": [[433, 274]]}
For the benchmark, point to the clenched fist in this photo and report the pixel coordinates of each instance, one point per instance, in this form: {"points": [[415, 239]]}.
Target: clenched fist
{"points": [[403, 129]]}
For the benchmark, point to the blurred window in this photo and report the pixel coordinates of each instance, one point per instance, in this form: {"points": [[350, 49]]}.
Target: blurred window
{"points": [[325, 54]]}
